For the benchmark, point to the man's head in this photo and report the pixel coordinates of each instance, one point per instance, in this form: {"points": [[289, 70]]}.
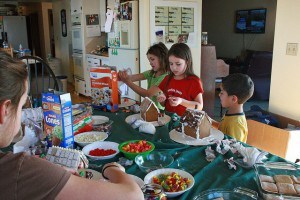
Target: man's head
{"points": [[239, 85]]}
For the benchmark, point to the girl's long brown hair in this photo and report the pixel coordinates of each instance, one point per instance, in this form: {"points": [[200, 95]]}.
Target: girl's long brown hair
{"points": [[161, 51]]}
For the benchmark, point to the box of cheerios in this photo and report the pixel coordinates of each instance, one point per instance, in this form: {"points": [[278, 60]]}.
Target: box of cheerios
{"points": [[58, 127], [104, 88]]}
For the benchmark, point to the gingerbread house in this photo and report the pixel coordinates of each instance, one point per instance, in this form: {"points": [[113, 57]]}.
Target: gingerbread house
{"points": [[195, 123], [149, 111]]}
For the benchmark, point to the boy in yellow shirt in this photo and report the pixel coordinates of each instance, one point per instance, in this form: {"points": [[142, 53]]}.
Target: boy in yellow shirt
{"points": [[236, 89]]}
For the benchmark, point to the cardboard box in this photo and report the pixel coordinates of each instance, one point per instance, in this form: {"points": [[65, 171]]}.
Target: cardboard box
{"points": [[104, 88], [58, 128], [278, 141]]}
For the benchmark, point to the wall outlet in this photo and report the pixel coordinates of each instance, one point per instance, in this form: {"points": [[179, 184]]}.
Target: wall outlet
{"points": [[292, 49]]}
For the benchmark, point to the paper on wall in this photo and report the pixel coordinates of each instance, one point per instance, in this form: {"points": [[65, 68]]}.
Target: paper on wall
{"points": [[109, 20]]}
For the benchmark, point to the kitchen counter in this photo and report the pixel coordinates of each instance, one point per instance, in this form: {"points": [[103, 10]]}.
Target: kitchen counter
{"points": [[103, 54]]}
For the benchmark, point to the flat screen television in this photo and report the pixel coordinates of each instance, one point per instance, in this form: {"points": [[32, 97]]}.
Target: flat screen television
{"points": [[251, 21]]}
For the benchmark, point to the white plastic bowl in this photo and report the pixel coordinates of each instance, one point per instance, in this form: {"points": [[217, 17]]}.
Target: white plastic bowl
{"points": [[149, 176], [101, 145], [98, 119], [85, 138]]}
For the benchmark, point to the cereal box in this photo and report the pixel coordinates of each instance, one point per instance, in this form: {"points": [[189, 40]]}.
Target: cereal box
{"points": [[104, 88], [58, 128]]}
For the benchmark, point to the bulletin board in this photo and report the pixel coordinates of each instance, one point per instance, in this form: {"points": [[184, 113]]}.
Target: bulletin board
{"points": [[174, 21]]}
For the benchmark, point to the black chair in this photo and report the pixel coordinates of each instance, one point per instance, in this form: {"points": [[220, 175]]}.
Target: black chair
{"points": [[41, 79]]}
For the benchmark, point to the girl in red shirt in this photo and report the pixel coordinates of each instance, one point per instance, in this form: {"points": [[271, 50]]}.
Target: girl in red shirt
{"points": [[180, 89]]}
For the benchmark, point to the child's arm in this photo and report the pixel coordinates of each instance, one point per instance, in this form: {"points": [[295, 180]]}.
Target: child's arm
{"points": [[129, 79], [156, 91], [198, 102]]}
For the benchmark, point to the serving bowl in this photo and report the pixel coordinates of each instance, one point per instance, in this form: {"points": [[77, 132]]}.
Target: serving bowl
{"points": [[159, 173], [154, 160], [85, 138], [132, 148], [103, 145], [98, 119]]}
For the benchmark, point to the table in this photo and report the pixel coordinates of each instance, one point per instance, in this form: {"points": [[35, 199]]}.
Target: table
{"points": [[189, 158], [207, 175]]}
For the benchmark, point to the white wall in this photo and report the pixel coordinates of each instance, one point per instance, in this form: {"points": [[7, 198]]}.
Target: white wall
{"points": [[285, 86], [144, 26], [219, 19]]}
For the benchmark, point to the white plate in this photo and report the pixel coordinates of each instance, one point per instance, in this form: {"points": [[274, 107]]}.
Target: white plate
{"points": [[129, 102], [98, 119], [162, 120], [138, 180], [184, 139], [96, 175], [90, 137], [101, 145], [149, 176]]}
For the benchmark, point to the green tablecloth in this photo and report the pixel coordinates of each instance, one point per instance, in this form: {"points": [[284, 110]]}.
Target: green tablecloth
{"points": [[208, 175]]}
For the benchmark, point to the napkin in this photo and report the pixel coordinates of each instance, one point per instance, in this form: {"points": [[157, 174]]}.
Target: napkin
{"points": [[250, 155], [147, 128]]}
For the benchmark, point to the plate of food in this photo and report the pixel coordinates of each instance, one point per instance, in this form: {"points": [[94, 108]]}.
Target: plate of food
{"points": [[98, 119], [185, 139], [89, 174], [162, 120], [85, 138], [126, 102], [181, 181]]}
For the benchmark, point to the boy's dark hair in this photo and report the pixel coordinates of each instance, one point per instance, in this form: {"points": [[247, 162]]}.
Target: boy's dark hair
{"points": [[161, 51], [239, 85]]}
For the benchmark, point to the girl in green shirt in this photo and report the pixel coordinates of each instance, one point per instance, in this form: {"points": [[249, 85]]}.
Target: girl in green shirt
{"points": [[157, 55]]}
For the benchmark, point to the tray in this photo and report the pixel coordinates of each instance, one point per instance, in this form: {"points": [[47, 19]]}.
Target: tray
{"points": [[268, 177]]}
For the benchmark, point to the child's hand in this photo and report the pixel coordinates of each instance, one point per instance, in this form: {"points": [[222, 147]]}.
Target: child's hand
{"points": [[161, 97], [123, 76], [175, 101]]}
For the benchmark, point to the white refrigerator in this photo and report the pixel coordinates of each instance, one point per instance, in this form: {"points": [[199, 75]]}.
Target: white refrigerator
{"points": [[123, 59], [123, 44], [15, 30]]}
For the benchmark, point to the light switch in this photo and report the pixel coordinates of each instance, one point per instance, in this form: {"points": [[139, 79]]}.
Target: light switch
{"points": [[292, 49]]}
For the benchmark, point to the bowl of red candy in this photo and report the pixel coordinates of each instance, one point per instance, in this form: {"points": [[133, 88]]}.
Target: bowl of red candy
{"points": [[101, 150]]}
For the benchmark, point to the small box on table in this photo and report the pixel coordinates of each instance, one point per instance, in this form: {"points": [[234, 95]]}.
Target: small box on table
{"points": [[58, 127]]}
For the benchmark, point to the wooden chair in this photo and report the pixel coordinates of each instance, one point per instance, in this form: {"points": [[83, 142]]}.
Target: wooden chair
{"points": [[41, 78], [9, 51]]}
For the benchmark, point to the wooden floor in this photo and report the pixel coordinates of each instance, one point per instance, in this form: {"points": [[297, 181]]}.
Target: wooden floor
{"points": [[77, 98]]}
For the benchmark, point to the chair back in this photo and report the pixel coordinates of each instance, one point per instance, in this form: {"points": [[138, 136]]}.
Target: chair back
{"points": [[40, 78], [9, 51]]}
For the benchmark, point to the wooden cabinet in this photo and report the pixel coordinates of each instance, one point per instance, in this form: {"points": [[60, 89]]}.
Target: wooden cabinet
{"points": [[208, 77], [211, 69]]}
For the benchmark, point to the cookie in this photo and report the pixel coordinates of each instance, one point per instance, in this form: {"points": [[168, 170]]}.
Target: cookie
{"points": [[283, 179], [269, 187], [285, 188], [296, 179], [265, 178], [297, 188]]}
